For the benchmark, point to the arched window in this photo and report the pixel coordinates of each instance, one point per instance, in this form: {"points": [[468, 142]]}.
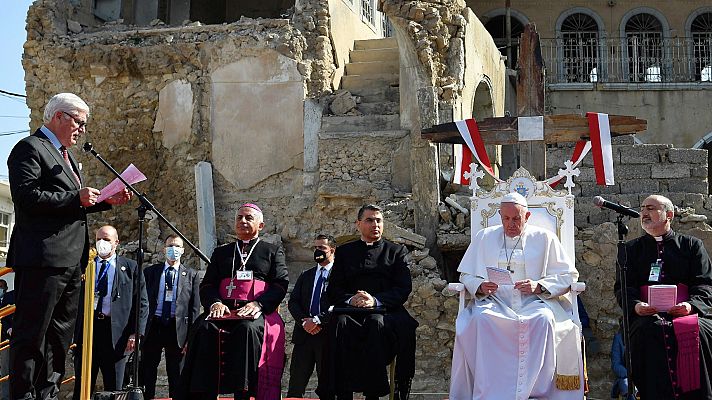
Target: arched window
{"points": [[701, 31], [644, 40], [497, 27], [580, 41]]}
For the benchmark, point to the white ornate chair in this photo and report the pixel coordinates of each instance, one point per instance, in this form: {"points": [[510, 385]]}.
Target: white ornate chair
{"points": [[550, 209]]}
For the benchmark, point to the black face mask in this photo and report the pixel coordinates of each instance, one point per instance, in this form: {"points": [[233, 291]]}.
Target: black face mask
{"points": [[319, 255]]}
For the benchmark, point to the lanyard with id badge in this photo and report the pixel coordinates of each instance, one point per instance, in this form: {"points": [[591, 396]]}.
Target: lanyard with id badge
{"points": [[241, 276], [655, 270], [241, 286]]}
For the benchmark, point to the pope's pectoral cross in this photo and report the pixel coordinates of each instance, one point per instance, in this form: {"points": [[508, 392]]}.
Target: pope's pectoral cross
{"points": [[230, 287], [530, 103]]}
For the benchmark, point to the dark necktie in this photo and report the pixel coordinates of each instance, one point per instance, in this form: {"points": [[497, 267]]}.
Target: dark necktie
{"points": [[316, 297], [167, 301], [102, 286], [65, 155]]}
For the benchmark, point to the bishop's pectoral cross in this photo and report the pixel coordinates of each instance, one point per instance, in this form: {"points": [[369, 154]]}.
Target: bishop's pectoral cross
{"points": [[530, 102], [230, 287]]}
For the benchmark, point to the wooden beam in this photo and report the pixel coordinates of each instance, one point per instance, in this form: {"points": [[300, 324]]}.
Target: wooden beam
{"points": [[557, 128], [530, 98]]}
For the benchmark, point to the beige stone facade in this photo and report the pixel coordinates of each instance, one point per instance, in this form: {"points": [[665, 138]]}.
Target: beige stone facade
{"points": [[649, 78]]}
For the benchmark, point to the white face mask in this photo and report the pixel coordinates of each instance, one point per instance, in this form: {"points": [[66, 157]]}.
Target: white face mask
{"points": [[103, 248]]}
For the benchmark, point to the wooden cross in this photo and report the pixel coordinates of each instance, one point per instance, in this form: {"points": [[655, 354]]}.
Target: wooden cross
{"points": [[530, 102], [229, 288]]}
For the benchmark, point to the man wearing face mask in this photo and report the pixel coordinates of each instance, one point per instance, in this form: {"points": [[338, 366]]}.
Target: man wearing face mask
{"points": [[173, 304], [506, 336], [671, 350], [308, 306], [114, 312]]}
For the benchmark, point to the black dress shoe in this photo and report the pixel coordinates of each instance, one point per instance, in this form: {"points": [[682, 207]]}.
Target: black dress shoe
{"points": [[402, 390]]}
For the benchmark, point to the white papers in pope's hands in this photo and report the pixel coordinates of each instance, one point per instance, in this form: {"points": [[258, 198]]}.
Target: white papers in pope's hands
{"points": [[662, 297], [499, 276], [131, 175]]}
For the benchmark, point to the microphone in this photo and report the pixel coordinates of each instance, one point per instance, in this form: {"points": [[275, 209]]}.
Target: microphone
{"points": [[87, 147], [600, 202]]}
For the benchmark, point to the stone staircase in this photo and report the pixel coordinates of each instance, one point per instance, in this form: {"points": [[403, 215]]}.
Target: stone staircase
{"points": [[363, 151], [372, 75]]}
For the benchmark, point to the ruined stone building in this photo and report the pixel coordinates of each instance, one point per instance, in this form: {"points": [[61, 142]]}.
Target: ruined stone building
{"points": [[306, 109]]}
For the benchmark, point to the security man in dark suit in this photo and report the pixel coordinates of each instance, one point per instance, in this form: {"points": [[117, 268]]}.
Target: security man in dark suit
{"points": [[308, 305], [114, 313], [49, 245], [173, 304]]}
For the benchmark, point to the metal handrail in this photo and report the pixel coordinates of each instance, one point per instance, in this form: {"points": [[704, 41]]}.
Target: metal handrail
{"points": [[632, 59], [85, 389]]}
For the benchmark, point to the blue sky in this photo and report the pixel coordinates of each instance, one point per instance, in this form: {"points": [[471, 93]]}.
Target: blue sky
{"points": [[14, 114]]}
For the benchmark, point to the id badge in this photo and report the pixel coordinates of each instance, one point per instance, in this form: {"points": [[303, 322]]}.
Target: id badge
{"points": [[243, 275], [655, 269], [96, 299], [169, 294]]}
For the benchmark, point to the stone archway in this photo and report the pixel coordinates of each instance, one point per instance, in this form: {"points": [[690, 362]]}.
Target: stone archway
{"points": [[482, 104], [706, 143]]}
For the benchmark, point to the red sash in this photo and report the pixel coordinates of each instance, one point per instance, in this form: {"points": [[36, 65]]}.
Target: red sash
{"points": [[271, 365], [687, 334]]}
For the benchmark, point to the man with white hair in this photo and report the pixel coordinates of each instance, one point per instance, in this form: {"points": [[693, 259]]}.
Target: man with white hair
{"points": [[506, 337], [671, 349], [239, 347], [49, 245]]}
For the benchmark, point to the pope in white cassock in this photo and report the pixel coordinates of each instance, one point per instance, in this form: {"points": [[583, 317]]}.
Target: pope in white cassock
{"points": [[507, 335]]}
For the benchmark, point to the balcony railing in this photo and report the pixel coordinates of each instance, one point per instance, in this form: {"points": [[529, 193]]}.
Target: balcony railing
{"points": [[639, 58]]}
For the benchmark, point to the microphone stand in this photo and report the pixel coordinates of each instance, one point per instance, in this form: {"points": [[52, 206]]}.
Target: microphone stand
{"points": [[135, 392], [622, 272]]}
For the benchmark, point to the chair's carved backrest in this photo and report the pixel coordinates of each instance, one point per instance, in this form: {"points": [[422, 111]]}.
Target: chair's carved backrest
{"points": [[550, 209]]}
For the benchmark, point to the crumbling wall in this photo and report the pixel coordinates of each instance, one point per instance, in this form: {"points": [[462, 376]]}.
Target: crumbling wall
{"points": [[125, 74]]}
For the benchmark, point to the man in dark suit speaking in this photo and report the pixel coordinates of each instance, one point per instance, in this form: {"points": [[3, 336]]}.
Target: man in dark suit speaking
{"points": [[49, 246], [173, 303], [114, 314]]}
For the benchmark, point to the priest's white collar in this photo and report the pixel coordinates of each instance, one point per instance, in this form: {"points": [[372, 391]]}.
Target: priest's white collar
{"points": [[664, 236]]}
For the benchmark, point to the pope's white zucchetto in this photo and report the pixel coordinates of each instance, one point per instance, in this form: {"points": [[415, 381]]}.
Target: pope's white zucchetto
{"points": [[515, 198]]}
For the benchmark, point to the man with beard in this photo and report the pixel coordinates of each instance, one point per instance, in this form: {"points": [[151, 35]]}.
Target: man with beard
{"points": [[671, 350]]}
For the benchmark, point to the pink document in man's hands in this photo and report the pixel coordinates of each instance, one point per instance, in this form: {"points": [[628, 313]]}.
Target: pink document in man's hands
{"points": [[662, 297], [131, 175]]}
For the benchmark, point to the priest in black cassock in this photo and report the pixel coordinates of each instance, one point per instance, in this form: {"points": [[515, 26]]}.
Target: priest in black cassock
{"points": [[371, 281], [671, 351], [238, 344]]}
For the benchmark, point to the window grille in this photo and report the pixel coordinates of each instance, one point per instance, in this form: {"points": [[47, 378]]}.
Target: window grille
{"points": [[579, 40], [701, 31], [644, 42]]}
